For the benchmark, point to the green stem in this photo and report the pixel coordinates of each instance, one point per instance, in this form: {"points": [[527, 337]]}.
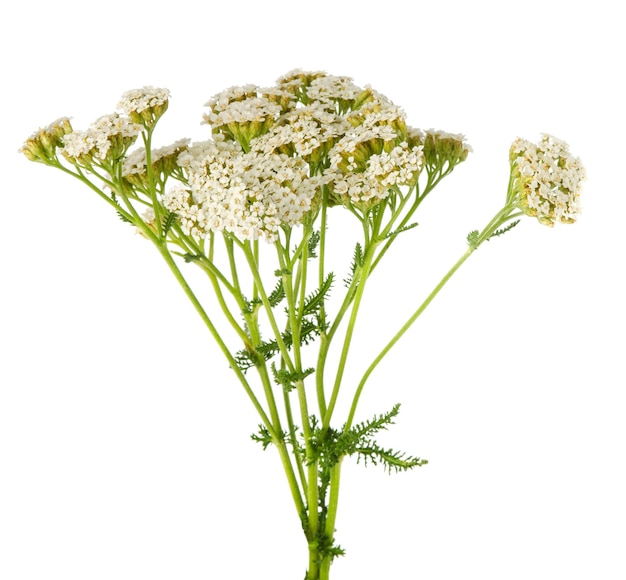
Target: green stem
{"points": [[401, 332], [276, 435], [331, 516], [505, 214], [259, 288], [169, 260], [156, 205], [349, 332], [319, 377]]}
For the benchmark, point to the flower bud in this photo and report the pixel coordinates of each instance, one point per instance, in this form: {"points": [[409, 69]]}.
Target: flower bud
{"points": [[42, 145]]}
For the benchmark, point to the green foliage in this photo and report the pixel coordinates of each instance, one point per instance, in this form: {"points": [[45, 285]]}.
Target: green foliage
{"points": [[357, 262], [277, 295], [472, 239], [124, 218], [168, 221], [314, 241], [119, 213], [400, 230], [327, 547], [263, 437], [192, 257], [287, 380], [246, 359], [250, 306], [315, 301], [331, 445], [503, 230]]}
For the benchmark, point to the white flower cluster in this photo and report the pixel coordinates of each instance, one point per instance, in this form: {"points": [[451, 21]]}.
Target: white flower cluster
{"points": [[548, 179], [240, 105], [273, 150], [135, 162], [372, 157], [331, 91], [302, 131], [138, 100], [248, 194], [95, 142]]}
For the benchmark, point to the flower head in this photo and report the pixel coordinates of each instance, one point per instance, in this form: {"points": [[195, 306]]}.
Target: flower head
{"points": [[145, 106], [250, 195], [546, 179], [41, 146], [163, 161], [106, 140], [241, 114], [444, 150]]}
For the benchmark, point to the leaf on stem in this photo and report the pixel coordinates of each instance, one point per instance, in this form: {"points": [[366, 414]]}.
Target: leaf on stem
{"points": [[287, 379], [400, 230], [314, 241], [472, 239], [331, 445], [277, 295], [316, 300], [503, 230], [263, 437], [192, 257], [357, 262], [168, 221]]}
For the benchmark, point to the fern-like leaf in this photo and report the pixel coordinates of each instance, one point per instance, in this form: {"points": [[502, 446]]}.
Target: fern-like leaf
{"points": [[315, 301], [472, 239], [357, 261], [123, 218], [277, 295], [314, 241], [287, 379], [389, 459], [118, 212], [378, 423], [503, 230], [168, 221], [400, 230], [262, 436], [359, 441]]}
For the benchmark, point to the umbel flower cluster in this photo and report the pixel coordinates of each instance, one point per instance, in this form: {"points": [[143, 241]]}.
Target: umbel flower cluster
{"points": [[274, 149], [278, 161]]}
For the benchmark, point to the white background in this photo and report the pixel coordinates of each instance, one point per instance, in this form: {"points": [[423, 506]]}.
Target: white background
{"points": [[124, 440]]}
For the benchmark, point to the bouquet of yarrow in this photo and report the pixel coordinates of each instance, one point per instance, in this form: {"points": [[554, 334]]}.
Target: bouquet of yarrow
{"points": [[251, 206]]}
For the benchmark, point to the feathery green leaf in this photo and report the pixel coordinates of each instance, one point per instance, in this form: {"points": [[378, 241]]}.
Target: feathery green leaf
{"points": [[503, 230]]}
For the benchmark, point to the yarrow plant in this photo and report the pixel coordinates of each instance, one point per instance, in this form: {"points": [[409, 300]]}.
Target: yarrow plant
{"points": [[252, 205]]}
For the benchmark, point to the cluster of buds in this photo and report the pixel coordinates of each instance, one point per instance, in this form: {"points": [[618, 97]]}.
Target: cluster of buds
{"points": [[442, 151], [164, 162], [42, 145]]}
